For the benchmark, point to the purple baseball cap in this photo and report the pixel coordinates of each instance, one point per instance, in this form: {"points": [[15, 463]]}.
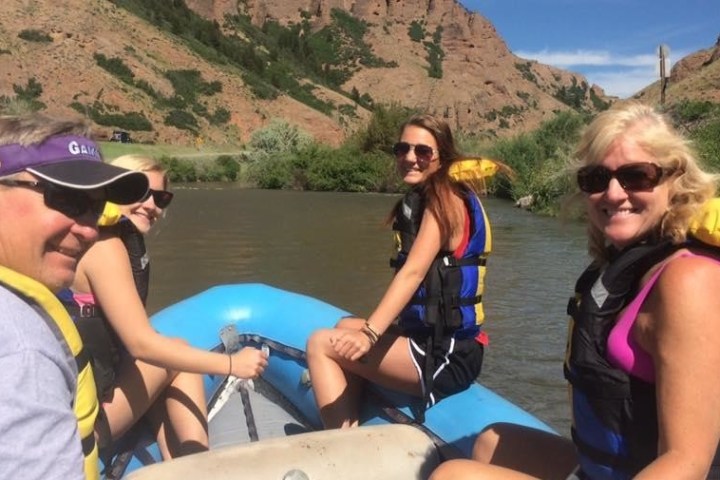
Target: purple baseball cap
{"points": [[74, 161]]}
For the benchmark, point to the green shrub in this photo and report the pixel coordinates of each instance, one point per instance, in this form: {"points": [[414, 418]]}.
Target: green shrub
{"points": [[33, 35], [318, 167], [182, 120], [135, 121], [126, 121], [435, 54], [147, 88], [273, 171], [188, 84], [382, 130], [28, 96], [116, 67], [598, 103], [416, 31], [228, 166], [539, 159], [179, 170], [707, 142], [279, 136], [525, 70], [572, 96], [693, 110], [221, 116]]}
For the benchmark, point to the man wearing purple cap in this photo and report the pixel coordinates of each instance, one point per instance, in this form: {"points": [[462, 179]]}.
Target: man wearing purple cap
{"points": [[53, 187]]}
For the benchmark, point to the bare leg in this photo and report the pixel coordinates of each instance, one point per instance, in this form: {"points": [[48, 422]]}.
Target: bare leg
{"points": [[180, 417], [513, 452], [335, 391], [464, 469], [138, 385], [141, 386], [335, 380], [526, 450]]}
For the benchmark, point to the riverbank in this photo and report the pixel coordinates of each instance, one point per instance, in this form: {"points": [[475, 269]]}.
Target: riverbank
{"points": [[282, 157]]}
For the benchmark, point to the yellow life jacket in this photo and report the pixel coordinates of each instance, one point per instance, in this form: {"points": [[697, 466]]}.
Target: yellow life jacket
{"points": [[705, 225], [110, 215], [85, 405], [473, 169]]}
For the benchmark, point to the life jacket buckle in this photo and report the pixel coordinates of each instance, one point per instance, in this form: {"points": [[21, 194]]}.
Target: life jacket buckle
{"points": [[87, 310]]}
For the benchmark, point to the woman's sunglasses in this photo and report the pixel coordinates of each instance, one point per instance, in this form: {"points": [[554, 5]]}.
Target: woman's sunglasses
{"points": [[633, 177], [162, 198], [70, 202], [423, 153]]}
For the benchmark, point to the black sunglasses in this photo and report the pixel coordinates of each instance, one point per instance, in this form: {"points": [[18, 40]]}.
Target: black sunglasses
{"points": [[70, 202], [423, 153], [162, 198], [633, 177]]}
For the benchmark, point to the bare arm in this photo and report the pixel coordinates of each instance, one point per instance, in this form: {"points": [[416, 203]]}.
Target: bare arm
{"points": [[353, 344], [106, 266], [680, 328], [407, 280]]}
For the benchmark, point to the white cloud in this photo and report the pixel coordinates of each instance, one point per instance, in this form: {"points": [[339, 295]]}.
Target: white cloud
{"points": [[565, 59], [623, 82], [618, 75]]}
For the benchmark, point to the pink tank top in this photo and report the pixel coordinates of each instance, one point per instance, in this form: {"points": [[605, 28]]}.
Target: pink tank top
{"points": [[623, 351]]}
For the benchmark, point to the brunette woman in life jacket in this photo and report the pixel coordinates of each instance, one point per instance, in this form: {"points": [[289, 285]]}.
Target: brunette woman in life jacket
{"points": [[643, 356], [424, 338], [140, 372]]}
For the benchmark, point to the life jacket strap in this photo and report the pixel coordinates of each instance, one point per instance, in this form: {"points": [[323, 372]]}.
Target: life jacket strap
{"points": [[87, 310], [450, 261], [451, 301], [618, 391], [88, 444]]}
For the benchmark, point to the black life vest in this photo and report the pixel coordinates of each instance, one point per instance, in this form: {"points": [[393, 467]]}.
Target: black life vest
{"points": [[615, 425], [449, 299], [101, 342], [134, 242]]}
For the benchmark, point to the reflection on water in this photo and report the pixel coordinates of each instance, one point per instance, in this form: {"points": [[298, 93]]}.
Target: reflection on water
{"points": [[336, 247]]}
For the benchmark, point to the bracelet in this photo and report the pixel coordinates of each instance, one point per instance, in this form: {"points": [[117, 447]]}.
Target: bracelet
{"points": [[372, 330], [370, 336], [230, 361]]}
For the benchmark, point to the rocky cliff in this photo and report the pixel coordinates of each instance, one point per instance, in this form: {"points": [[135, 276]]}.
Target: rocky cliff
{"points": [[433, 55]]}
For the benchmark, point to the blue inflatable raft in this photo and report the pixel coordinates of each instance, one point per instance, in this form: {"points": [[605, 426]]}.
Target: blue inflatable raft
{"points": [[261, 315]]}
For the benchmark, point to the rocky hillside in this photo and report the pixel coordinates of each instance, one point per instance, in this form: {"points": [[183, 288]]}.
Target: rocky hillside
{"points": [[124, 65]]}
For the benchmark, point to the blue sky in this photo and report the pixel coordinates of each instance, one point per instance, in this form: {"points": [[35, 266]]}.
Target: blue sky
{"points": [[613, 43]]}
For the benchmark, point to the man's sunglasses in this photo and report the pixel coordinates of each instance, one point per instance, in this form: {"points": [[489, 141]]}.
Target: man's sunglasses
{"points": [[162, 198], [70, 202], [423, 153], [633, 177]]}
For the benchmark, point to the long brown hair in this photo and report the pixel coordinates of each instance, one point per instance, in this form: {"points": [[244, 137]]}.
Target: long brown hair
{"points": [[439, 187]]}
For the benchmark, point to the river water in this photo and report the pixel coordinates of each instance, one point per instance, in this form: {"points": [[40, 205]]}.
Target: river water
{"points": [[336, 247]]}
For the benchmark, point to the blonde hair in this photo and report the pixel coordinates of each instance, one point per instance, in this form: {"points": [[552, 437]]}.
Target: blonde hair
{"points": [[141, 163], [690, 185]]}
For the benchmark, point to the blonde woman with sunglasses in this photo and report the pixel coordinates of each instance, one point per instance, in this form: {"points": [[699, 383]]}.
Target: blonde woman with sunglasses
{"points": [[643, 357], [138, 371], [435, 349]]}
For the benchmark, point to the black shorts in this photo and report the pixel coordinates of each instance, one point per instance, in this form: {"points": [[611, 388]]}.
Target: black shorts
{"points": [[455, 363]]}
